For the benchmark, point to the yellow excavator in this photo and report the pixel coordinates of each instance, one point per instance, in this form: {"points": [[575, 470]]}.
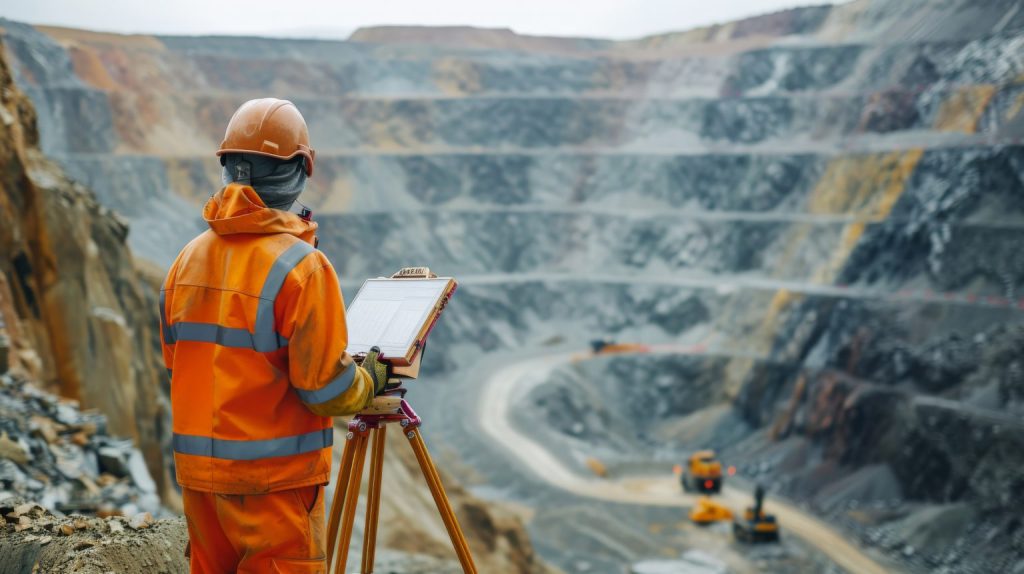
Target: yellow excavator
{"points": [[756, 525], [707, 511], [703, 473], [609, 347]]}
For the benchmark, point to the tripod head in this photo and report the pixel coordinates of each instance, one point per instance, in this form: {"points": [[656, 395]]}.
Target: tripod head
{"points": [[390, 406], [387, 407]]}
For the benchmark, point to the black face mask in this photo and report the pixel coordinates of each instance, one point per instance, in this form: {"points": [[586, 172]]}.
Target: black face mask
{"points": [[277, 182]]}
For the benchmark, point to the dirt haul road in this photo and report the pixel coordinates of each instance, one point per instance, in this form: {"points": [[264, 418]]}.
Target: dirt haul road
{"points": [[508, 384]]}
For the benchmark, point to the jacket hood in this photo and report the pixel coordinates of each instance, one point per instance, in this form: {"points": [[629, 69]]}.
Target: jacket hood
{"points": [[238, 209]]}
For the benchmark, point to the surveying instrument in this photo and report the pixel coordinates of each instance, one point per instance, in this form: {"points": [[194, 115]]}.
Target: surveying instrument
{"points": [[369, 427]]}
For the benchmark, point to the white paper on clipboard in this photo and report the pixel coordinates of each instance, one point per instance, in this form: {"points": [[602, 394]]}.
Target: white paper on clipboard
{"points": [[390, 313]]}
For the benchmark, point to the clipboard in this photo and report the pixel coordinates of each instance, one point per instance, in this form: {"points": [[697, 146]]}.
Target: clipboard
{"points": [[397, 314]]}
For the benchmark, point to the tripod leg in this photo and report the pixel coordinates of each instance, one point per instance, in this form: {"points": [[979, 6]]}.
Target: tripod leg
{"points": [[373, 500], [340, 486], [437, 489], [433, 480], [444, 507], [348, 515]]}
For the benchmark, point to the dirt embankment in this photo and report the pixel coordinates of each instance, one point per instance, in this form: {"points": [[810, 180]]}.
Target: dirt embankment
{"points": [[37, 541]]}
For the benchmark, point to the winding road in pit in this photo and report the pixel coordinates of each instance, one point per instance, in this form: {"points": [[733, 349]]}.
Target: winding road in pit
{"points": [[512, 381]]}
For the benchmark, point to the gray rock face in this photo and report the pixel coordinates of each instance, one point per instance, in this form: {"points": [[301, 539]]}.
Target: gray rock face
{"points": [[72, 116]]}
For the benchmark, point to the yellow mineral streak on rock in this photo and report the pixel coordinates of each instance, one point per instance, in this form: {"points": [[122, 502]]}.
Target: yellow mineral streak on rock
{"points": [[1017, 105], [871, 196], [961, 111], [782, 299], [867, 186], [456, 77], [903, 165], [339, 198]]}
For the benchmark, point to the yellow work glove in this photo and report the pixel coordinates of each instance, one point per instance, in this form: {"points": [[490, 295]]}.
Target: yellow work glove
{"points": [[379, 371]]}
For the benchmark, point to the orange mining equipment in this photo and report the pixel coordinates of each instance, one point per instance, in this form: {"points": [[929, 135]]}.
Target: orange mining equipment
{"points": [[703, 473], [707, 511], [756, 525]]}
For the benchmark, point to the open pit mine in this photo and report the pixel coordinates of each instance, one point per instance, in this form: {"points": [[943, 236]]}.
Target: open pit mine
{"points": [[795, 239]]}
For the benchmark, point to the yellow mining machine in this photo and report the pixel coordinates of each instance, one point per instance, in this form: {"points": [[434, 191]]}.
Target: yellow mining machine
{"points": [[703, 473], [755, 525], [707, 511]]}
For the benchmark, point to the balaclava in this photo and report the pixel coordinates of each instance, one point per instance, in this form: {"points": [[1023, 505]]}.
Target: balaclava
{"points": [[277, 182]]}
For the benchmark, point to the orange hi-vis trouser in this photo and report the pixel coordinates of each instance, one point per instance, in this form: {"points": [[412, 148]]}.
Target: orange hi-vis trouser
{"points": [[280, 531]]}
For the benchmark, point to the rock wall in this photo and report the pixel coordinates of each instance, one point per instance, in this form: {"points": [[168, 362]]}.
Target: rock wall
{"points": [[77, 317]]}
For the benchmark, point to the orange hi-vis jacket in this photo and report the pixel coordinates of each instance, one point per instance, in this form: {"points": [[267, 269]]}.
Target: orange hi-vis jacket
{"points": [[254, 335]]}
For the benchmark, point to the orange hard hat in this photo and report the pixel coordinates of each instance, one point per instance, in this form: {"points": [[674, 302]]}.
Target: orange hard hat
{"points": [[270, 127]]}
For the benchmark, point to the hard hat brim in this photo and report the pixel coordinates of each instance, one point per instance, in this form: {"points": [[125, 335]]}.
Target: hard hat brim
{"points": [[309, 155]]}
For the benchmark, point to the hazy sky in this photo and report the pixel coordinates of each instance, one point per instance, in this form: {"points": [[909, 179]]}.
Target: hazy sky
{"points": [[599, 18]]}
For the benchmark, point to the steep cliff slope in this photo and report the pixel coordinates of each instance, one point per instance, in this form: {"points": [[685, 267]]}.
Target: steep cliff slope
{"points": [[76, 315]]}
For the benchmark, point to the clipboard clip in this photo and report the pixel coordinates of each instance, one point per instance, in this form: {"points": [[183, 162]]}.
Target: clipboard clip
{"points": [[414, 273]]}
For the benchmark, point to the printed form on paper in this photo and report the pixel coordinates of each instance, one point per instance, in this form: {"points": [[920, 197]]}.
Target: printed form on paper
{"points": [[393, 314]]}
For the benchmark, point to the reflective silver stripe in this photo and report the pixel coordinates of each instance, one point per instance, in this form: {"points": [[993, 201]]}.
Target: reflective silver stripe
{"points": [[265, 337], [168, 334], [212, 333], [338, 385], [252, 449]]}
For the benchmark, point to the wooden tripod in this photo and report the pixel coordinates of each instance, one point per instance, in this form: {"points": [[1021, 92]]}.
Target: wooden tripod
{"points": [[390, 409]]}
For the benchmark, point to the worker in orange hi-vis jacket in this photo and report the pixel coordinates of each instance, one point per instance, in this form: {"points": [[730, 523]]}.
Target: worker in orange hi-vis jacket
{"points": [[254, 336]]}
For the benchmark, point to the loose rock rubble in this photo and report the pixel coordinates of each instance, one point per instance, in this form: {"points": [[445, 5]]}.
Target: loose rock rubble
{"points": [[60, 457]]}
